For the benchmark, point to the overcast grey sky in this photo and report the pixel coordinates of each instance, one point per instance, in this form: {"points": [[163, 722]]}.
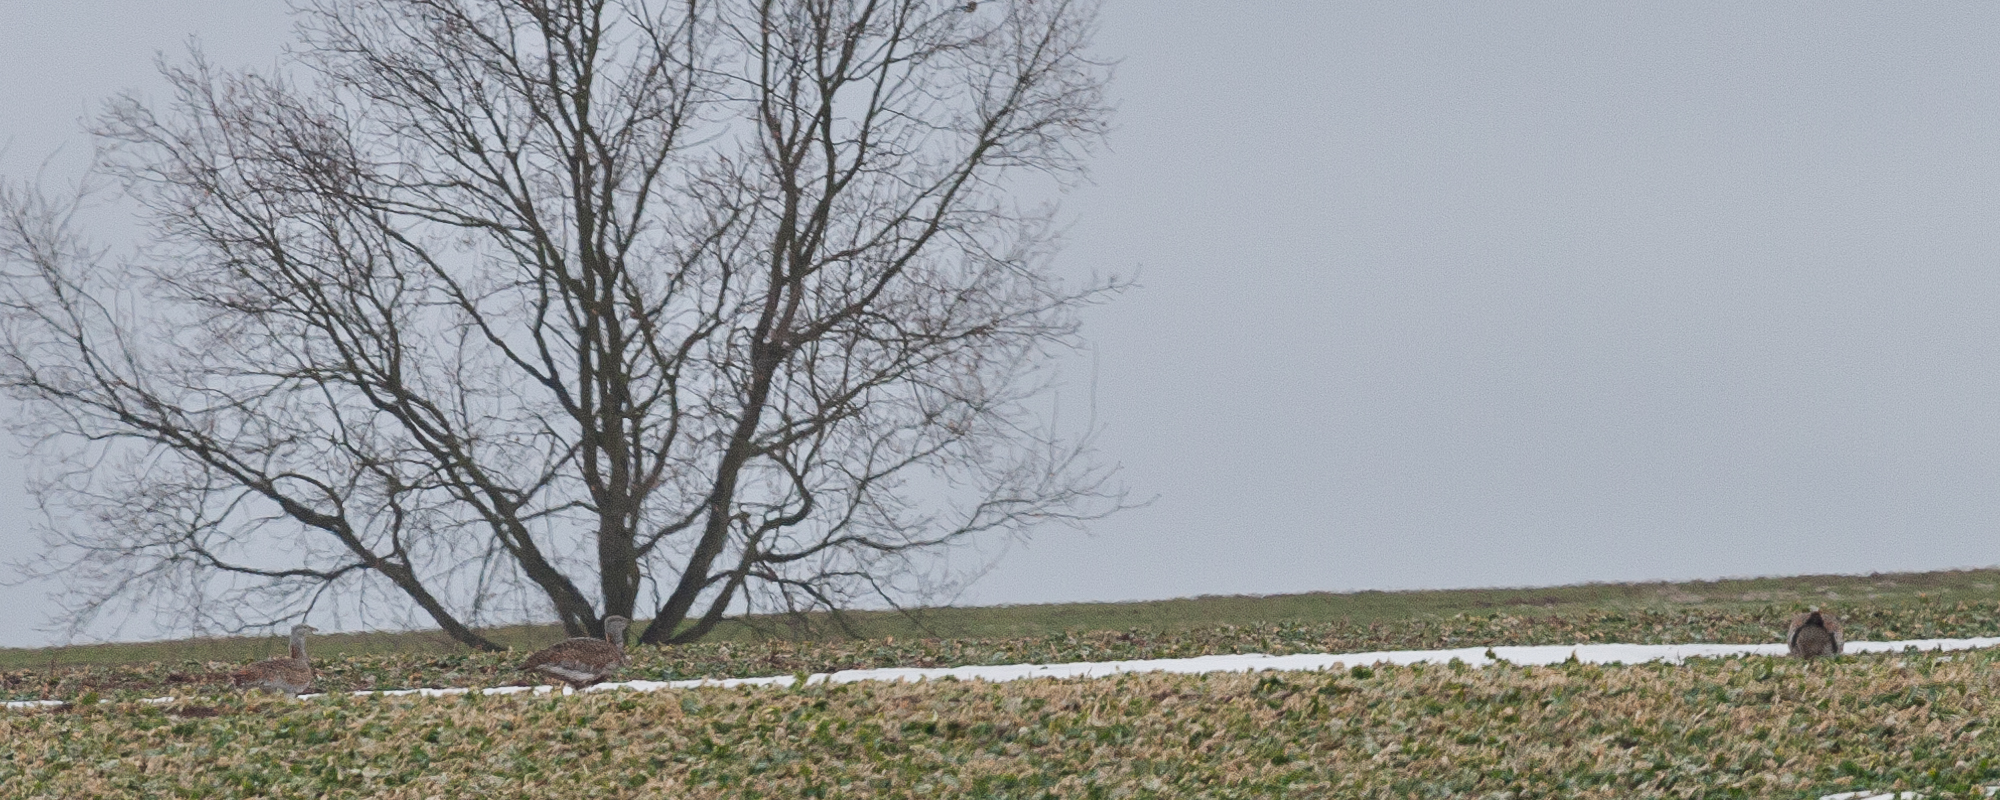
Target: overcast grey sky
{"points": [[1464, 294]]}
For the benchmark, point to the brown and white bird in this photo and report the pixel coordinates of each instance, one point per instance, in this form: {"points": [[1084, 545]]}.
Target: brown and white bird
{"points": [[581, 661], [288, 676], [1814, 633]]}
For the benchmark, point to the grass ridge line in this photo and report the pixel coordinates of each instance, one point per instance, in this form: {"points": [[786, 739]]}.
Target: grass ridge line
{"points": [[1518, 655], [1161, 616]]}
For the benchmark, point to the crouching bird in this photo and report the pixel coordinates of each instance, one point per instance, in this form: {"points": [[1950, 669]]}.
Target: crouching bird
{"points": [[287, 676], [582, 661], [1814, 633]]}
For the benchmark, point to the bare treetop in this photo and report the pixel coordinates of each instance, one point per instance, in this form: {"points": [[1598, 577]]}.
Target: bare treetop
{"points": [[497, 308]]}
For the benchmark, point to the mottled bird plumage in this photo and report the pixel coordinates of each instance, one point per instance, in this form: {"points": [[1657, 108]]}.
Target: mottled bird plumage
{"points": [[289, 676], [582, 661], [1814, 633]]}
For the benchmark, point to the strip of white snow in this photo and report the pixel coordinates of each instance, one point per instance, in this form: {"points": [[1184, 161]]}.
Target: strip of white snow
{"points": [[1258, 662], [1248, 662]]}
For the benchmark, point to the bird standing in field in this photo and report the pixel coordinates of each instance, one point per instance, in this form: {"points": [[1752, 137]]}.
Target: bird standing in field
{"points": [[581, 661], [287, 676], [1814, 633]]}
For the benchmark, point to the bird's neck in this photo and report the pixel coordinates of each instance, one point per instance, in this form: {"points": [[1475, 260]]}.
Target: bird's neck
{"points": [[299, 646]]}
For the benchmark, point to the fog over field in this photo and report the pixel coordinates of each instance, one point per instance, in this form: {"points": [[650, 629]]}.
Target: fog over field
{"points": [[1439, 295]]}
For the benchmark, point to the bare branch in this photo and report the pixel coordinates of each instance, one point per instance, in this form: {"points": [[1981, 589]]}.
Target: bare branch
{"points": [[495, 308]]}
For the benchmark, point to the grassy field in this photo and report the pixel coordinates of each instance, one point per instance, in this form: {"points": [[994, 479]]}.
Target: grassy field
{"points": [[1163, 616], [1883, 607], [1740, 727]]}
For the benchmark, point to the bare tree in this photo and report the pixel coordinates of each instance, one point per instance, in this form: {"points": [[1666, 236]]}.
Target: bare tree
{"points": [[504, 306]]}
